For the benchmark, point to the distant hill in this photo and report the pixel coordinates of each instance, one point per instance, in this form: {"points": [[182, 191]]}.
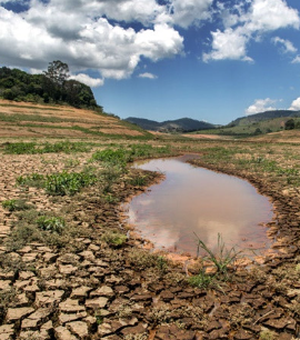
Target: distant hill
{"points": [[178, 125], [258, 124], [262, 116]]}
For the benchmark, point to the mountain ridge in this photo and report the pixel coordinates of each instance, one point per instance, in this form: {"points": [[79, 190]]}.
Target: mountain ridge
{"points": [[176, 125]]}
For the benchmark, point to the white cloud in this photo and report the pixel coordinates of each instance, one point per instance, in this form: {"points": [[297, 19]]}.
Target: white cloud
{"points": [[230, 44], [87, 80], [295, 105], [296, 60], [261, 105], [77, 33], [186, 13], [287, 45], [243, 24], [147, 75]]}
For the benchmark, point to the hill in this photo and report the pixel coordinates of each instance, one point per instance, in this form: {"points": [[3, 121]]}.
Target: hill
{"points": [[178, 125], [262, 116], [257, 124], [23, 119], [51, 87]]}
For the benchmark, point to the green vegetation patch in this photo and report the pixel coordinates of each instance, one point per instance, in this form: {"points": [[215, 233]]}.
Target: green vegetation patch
{"points": [[66, 183], [34, 148]]}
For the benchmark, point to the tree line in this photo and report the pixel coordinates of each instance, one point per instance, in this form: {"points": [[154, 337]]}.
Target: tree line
{"points": [[53, 86]]}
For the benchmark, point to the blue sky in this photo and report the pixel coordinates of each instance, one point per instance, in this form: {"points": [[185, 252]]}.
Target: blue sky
{"points": [[212, 60]]}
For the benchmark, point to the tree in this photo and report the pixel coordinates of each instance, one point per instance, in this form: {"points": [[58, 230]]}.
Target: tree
{"points": [[289, 124], [58, 72]]}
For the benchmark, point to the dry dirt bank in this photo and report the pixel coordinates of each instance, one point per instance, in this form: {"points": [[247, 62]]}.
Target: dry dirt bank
{"points": [[89, 288]]}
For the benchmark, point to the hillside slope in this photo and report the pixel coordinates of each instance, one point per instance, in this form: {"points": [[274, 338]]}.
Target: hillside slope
{"points": [[23, 119]]}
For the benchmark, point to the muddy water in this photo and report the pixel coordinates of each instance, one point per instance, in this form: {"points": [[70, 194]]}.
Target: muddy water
{"points": [[193, 201]]}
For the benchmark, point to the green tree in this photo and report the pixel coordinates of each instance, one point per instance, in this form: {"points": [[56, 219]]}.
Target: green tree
{"points": [[289, 124], [58, 72]]}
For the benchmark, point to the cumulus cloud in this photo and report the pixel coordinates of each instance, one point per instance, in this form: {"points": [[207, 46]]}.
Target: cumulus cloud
{"points": [[295, 104], [87, 80], [147, 75], [250, 22], [81, 34], [230, 44], [261, 105], [287, 45], [186, 13]]}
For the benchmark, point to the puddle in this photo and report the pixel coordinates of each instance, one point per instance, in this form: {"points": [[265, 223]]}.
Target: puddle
{"points": [[195, 200]]}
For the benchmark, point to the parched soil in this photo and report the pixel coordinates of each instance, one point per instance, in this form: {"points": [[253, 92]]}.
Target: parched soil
{"points": [[85, 287], [33, 120]]}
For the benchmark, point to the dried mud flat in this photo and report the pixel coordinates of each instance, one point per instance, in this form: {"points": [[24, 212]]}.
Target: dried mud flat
{"points": [[90, 289]]}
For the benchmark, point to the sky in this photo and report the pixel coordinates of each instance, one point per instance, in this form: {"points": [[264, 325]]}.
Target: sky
{"points": [[210, 60]]}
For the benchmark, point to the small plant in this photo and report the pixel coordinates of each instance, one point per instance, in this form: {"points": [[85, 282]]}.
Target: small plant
{"points": [[162, 264], [222, 259], [266, 334], [202, 280], [114, 238], [118, 157], [15, 205], [52, 224], [33, 180], [66, 183]]}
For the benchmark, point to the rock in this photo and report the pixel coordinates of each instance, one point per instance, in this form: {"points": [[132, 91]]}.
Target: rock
{"points": [[48, 298], [6, 331], [166, 295], [71, 306], [15, 314], [25, 275], [104, 329], [276, 323], [38, 317], [96, 303], [65, 318], [30, 257], [88, 255], [80, 292], [63, 333], [67, 269], [139, 329], [243, 335], [5, 285], [102, 291], [69, 258], [79, 328], [40, 335]]}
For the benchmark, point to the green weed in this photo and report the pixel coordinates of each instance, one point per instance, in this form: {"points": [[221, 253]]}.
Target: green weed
{"points": [[33, 180], [222, 259], [52, 224], [66, 183], [114, 238], [202, 280], [16, 205]]}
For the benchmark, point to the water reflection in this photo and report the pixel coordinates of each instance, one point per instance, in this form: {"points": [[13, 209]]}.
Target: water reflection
{"points": [[195, 200]]}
